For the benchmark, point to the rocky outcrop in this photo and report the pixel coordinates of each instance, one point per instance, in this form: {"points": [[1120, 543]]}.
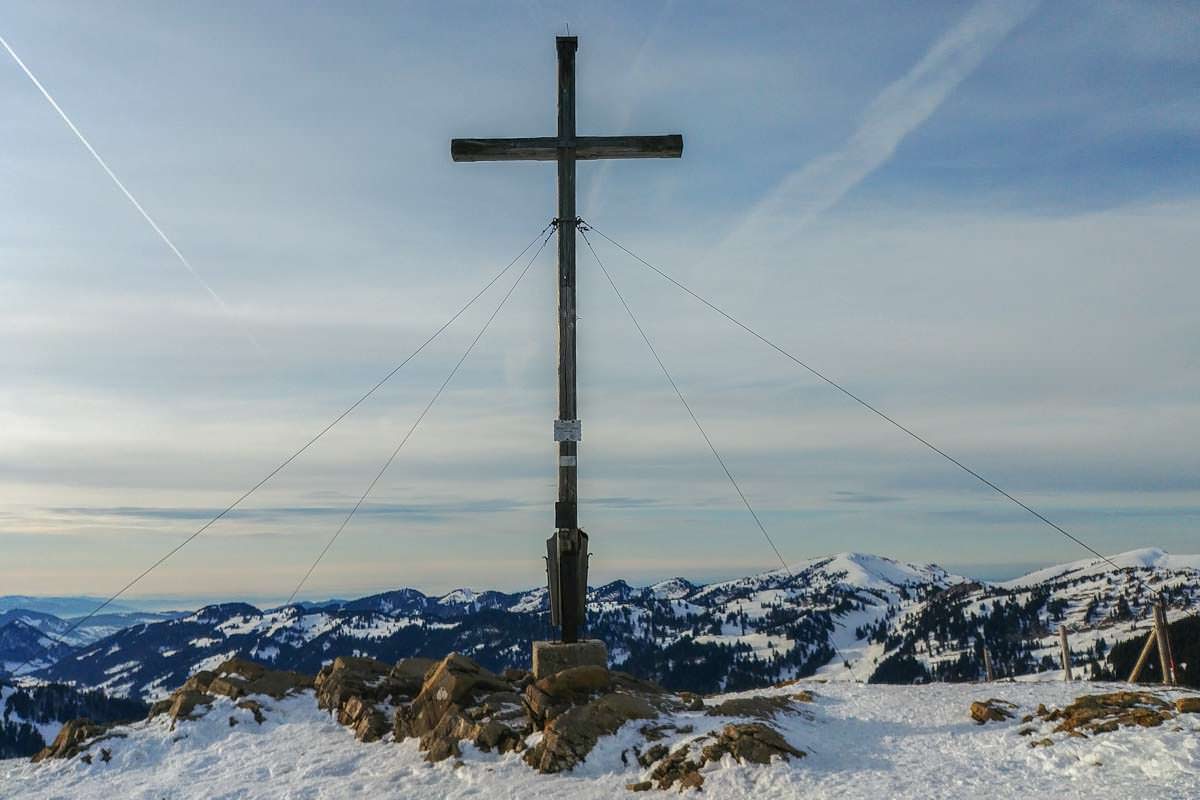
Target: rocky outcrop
{"points": [[750, 742], [1104, 713], [362, 691], [461, 701], [570, 736], [236, 679], [760, 707], [746, 742], [577, 706], [444, 703], [75, 737], [239, 677]]}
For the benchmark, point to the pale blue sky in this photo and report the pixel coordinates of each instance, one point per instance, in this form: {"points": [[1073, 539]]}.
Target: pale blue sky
{"points": [[980, 216]]}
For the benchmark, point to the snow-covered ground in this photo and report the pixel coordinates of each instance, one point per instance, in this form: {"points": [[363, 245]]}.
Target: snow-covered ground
{"points": [[872, 742]]}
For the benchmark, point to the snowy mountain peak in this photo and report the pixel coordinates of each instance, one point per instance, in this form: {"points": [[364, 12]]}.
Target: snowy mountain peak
{"points": [[868, 571], [1146, 558], [672, 589], [459, 597]]}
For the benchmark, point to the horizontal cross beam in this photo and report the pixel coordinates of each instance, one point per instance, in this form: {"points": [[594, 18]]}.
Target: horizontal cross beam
{"points": [[587, 148]]}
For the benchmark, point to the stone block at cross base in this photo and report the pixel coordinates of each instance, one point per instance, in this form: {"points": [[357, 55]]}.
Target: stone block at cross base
{"points": [[550, 658]]}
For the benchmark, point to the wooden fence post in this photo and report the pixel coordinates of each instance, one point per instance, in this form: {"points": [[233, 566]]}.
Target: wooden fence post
{"points": [[1066, 653], [1164, 643], [987, 664]]}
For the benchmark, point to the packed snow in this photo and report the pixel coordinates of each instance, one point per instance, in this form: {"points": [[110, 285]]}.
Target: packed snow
{"points": [[862, 741]]}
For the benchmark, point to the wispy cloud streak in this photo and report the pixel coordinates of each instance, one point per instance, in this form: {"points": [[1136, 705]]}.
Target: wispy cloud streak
{"points": [[895, 113], [129, 195]]}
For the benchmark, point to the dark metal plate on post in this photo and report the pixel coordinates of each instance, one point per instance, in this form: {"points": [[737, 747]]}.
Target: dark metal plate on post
{"points": [[566, 571]]}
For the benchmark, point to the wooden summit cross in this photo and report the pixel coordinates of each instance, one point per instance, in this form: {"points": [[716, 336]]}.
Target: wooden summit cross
{"points": [[566, 565]]}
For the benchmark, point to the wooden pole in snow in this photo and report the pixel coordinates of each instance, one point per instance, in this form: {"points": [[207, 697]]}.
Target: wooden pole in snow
{"points": [[1066, 652], [1151, 639], [987, 664], [1164, 645]]}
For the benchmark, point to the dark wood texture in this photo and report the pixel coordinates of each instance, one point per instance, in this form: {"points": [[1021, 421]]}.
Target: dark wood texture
{"points": [[568, 490], [1065, 654], [587, 148], [1164, 648]]}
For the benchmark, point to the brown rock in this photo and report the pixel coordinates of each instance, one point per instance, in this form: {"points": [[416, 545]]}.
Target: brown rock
{"points": [[408, 676], [279, 683], [692, 780], [1188, 705], [452, 683], [185, 701], [674, 768], [516, 676], [550, 696], [238, 677], [353, 688], [752, 742], [991, 711], [160, 707], [242, 666], [1104, 713], [495, 735], [652, 754], [348, 677], [442, 741], [570, 736], [371, 726], [200, 681], [231, 687], [74, 737], [255, 708], [640, 786], [760, 707]]}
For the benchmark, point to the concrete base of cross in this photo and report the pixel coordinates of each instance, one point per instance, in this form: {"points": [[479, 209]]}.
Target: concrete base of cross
{"points": [[552, 657]]}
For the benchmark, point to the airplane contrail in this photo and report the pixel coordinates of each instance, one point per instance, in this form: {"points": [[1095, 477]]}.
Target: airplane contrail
{"points": [[897, 111], [145, 215]]}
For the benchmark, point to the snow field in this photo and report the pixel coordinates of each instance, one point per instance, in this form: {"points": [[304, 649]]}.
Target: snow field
{"points": [[871, 742]]}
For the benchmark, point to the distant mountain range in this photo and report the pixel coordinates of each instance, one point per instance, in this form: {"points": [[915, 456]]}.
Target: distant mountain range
{"points": [[75, 606], [41, 638], [848, 616]]}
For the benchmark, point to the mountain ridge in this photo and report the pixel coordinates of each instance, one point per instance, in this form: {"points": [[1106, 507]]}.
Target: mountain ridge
{"points": [[888, 619]]}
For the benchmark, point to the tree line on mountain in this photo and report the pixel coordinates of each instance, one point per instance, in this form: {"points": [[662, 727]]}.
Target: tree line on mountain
{"points": [[27, 706]]}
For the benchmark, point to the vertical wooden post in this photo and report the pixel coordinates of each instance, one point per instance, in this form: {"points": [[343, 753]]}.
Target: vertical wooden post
{"points": [[1065, 653], [1164, 646], [1170, 649], [569, 540], [987, 664]]}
